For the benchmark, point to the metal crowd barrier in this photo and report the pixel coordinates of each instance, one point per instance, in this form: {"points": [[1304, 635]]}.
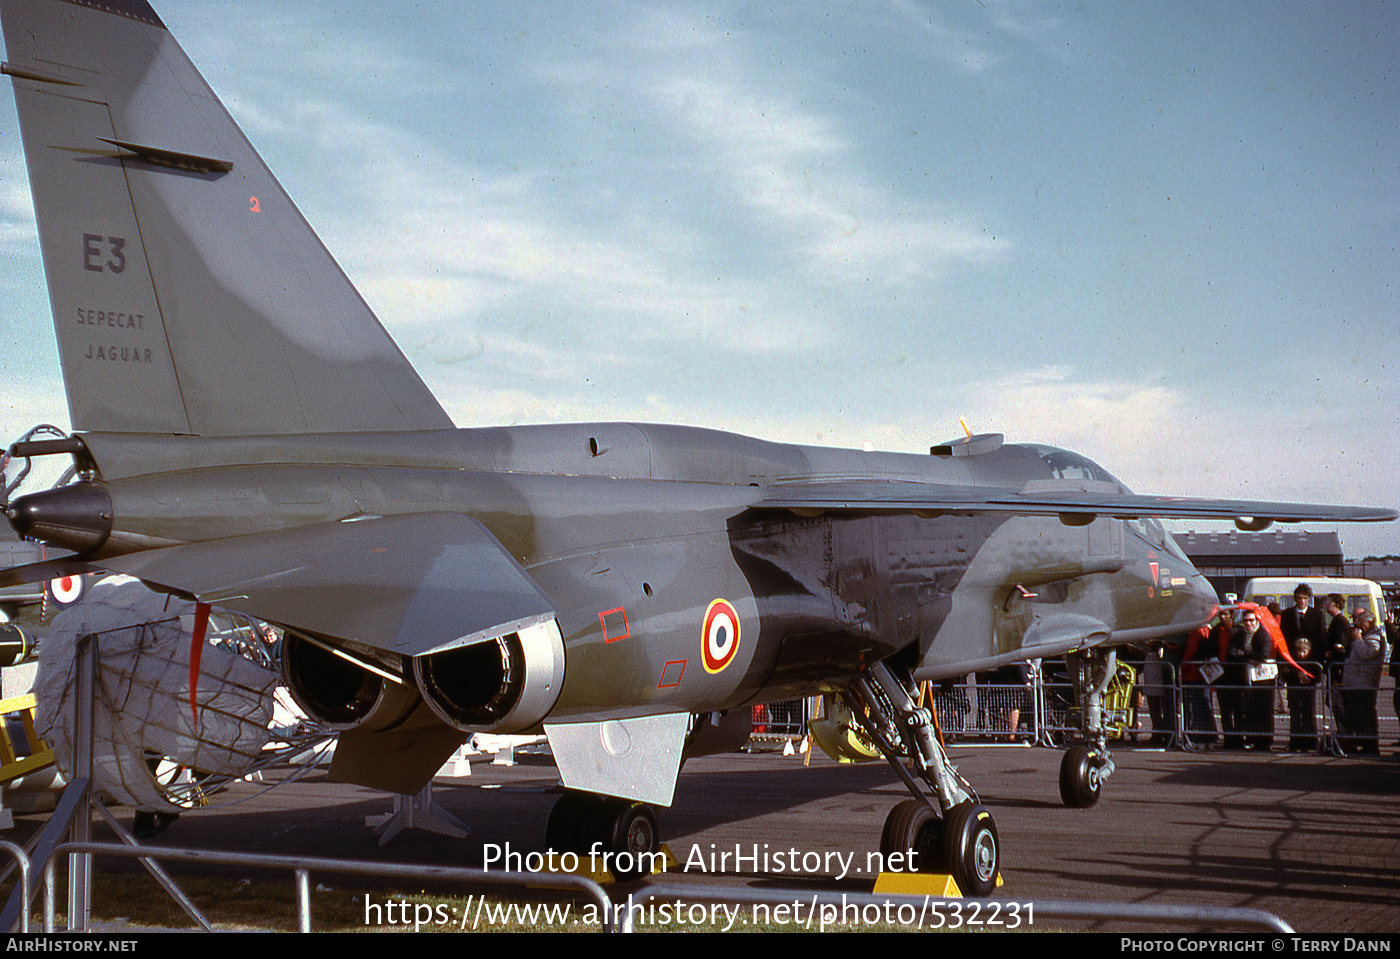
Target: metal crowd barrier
{"points": [[1153, 706], [827, 909], [830, 908], [301, 867]]}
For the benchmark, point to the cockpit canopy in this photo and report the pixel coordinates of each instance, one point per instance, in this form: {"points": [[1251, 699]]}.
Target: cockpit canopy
{"points": [[1069, 465]]}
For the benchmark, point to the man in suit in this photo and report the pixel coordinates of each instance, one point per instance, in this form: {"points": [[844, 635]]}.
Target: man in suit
{"points": [[1301, 622]]}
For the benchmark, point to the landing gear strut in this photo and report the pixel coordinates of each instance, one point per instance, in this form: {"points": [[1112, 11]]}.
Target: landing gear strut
{"points": [[944, 827], [1087, 765], [622, 834]]}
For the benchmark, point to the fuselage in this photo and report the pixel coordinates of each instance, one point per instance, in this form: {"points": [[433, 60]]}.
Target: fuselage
{"points": [[641, 535]]}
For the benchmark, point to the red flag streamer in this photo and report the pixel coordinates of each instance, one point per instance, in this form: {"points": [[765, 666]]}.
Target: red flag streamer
{"points": [[201, 624]]}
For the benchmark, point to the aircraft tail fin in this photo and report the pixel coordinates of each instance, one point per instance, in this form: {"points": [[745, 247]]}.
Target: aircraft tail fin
{"points": [[189, 294]]}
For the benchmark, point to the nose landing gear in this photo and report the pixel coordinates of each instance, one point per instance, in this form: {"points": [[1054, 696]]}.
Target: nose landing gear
{"points": [[1085, 767]]}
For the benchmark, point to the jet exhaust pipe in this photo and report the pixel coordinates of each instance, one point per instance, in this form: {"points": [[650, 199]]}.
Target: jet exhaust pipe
{"points": [[76, 517], [502, 685], [337, 691]]}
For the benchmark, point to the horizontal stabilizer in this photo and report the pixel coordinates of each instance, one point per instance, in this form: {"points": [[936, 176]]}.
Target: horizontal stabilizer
{"points": [[412, 584], [898, 496], [44, 571]]}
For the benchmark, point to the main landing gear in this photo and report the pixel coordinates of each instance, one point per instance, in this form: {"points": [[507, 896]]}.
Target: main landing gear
{"points": [[1087, 765], [618, 835], [947, 831]]}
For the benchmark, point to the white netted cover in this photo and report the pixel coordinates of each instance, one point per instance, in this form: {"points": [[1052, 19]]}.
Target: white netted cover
{"points": [[144, 728]]}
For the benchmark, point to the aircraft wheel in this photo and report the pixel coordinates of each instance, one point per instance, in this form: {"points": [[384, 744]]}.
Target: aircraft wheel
{"points": [[1079, 778], [972, 848], [632, 837], [913, 827], [571, 824]]}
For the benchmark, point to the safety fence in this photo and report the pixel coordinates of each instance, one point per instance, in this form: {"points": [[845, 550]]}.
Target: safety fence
{"points": [[301, 869], [1154, 706], [784, 909]]}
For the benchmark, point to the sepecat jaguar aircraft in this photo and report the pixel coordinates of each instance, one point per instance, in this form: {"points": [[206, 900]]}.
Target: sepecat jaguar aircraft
{"points": [[248, 435]]}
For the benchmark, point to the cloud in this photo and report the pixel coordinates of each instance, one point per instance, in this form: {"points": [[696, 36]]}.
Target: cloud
{"points": [[474, 253], [766, 144], [577, 244], [799, 173], [1168, 439], [1054, 401], [17, 226], [1027, 21], [956, 47], [28, 404], [16, 234], [435, 241]]}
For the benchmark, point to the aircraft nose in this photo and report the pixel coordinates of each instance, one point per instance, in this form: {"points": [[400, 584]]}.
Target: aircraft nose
{"points": [[1201, 600]]}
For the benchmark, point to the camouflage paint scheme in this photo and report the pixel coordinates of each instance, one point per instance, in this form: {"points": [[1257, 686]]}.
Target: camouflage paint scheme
{"points": [[249, 435]]}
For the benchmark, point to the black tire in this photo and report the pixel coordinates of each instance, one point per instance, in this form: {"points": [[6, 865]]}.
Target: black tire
{"points": [[572, 822], [633, 837], [1079, 778], [972, 850], [913, 826]]}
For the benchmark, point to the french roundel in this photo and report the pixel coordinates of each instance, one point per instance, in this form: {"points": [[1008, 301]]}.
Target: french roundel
{"points": [[66, 590], [719, 639]]}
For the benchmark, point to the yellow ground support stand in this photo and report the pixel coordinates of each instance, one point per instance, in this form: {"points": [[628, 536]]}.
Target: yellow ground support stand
{"points": [[21, 750], [1118, 712]]}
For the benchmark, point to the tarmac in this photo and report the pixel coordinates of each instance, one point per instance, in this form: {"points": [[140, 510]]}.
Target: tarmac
{"points": [[1314, 840]]}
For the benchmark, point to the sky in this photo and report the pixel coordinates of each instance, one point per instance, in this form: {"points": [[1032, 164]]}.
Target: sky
{"points": [[1165, 235]]}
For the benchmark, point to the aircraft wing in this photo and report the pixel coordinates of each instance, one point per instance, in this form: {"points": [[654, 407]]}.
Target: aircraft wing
{"points": [[411, 584], [1073, 506]]}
